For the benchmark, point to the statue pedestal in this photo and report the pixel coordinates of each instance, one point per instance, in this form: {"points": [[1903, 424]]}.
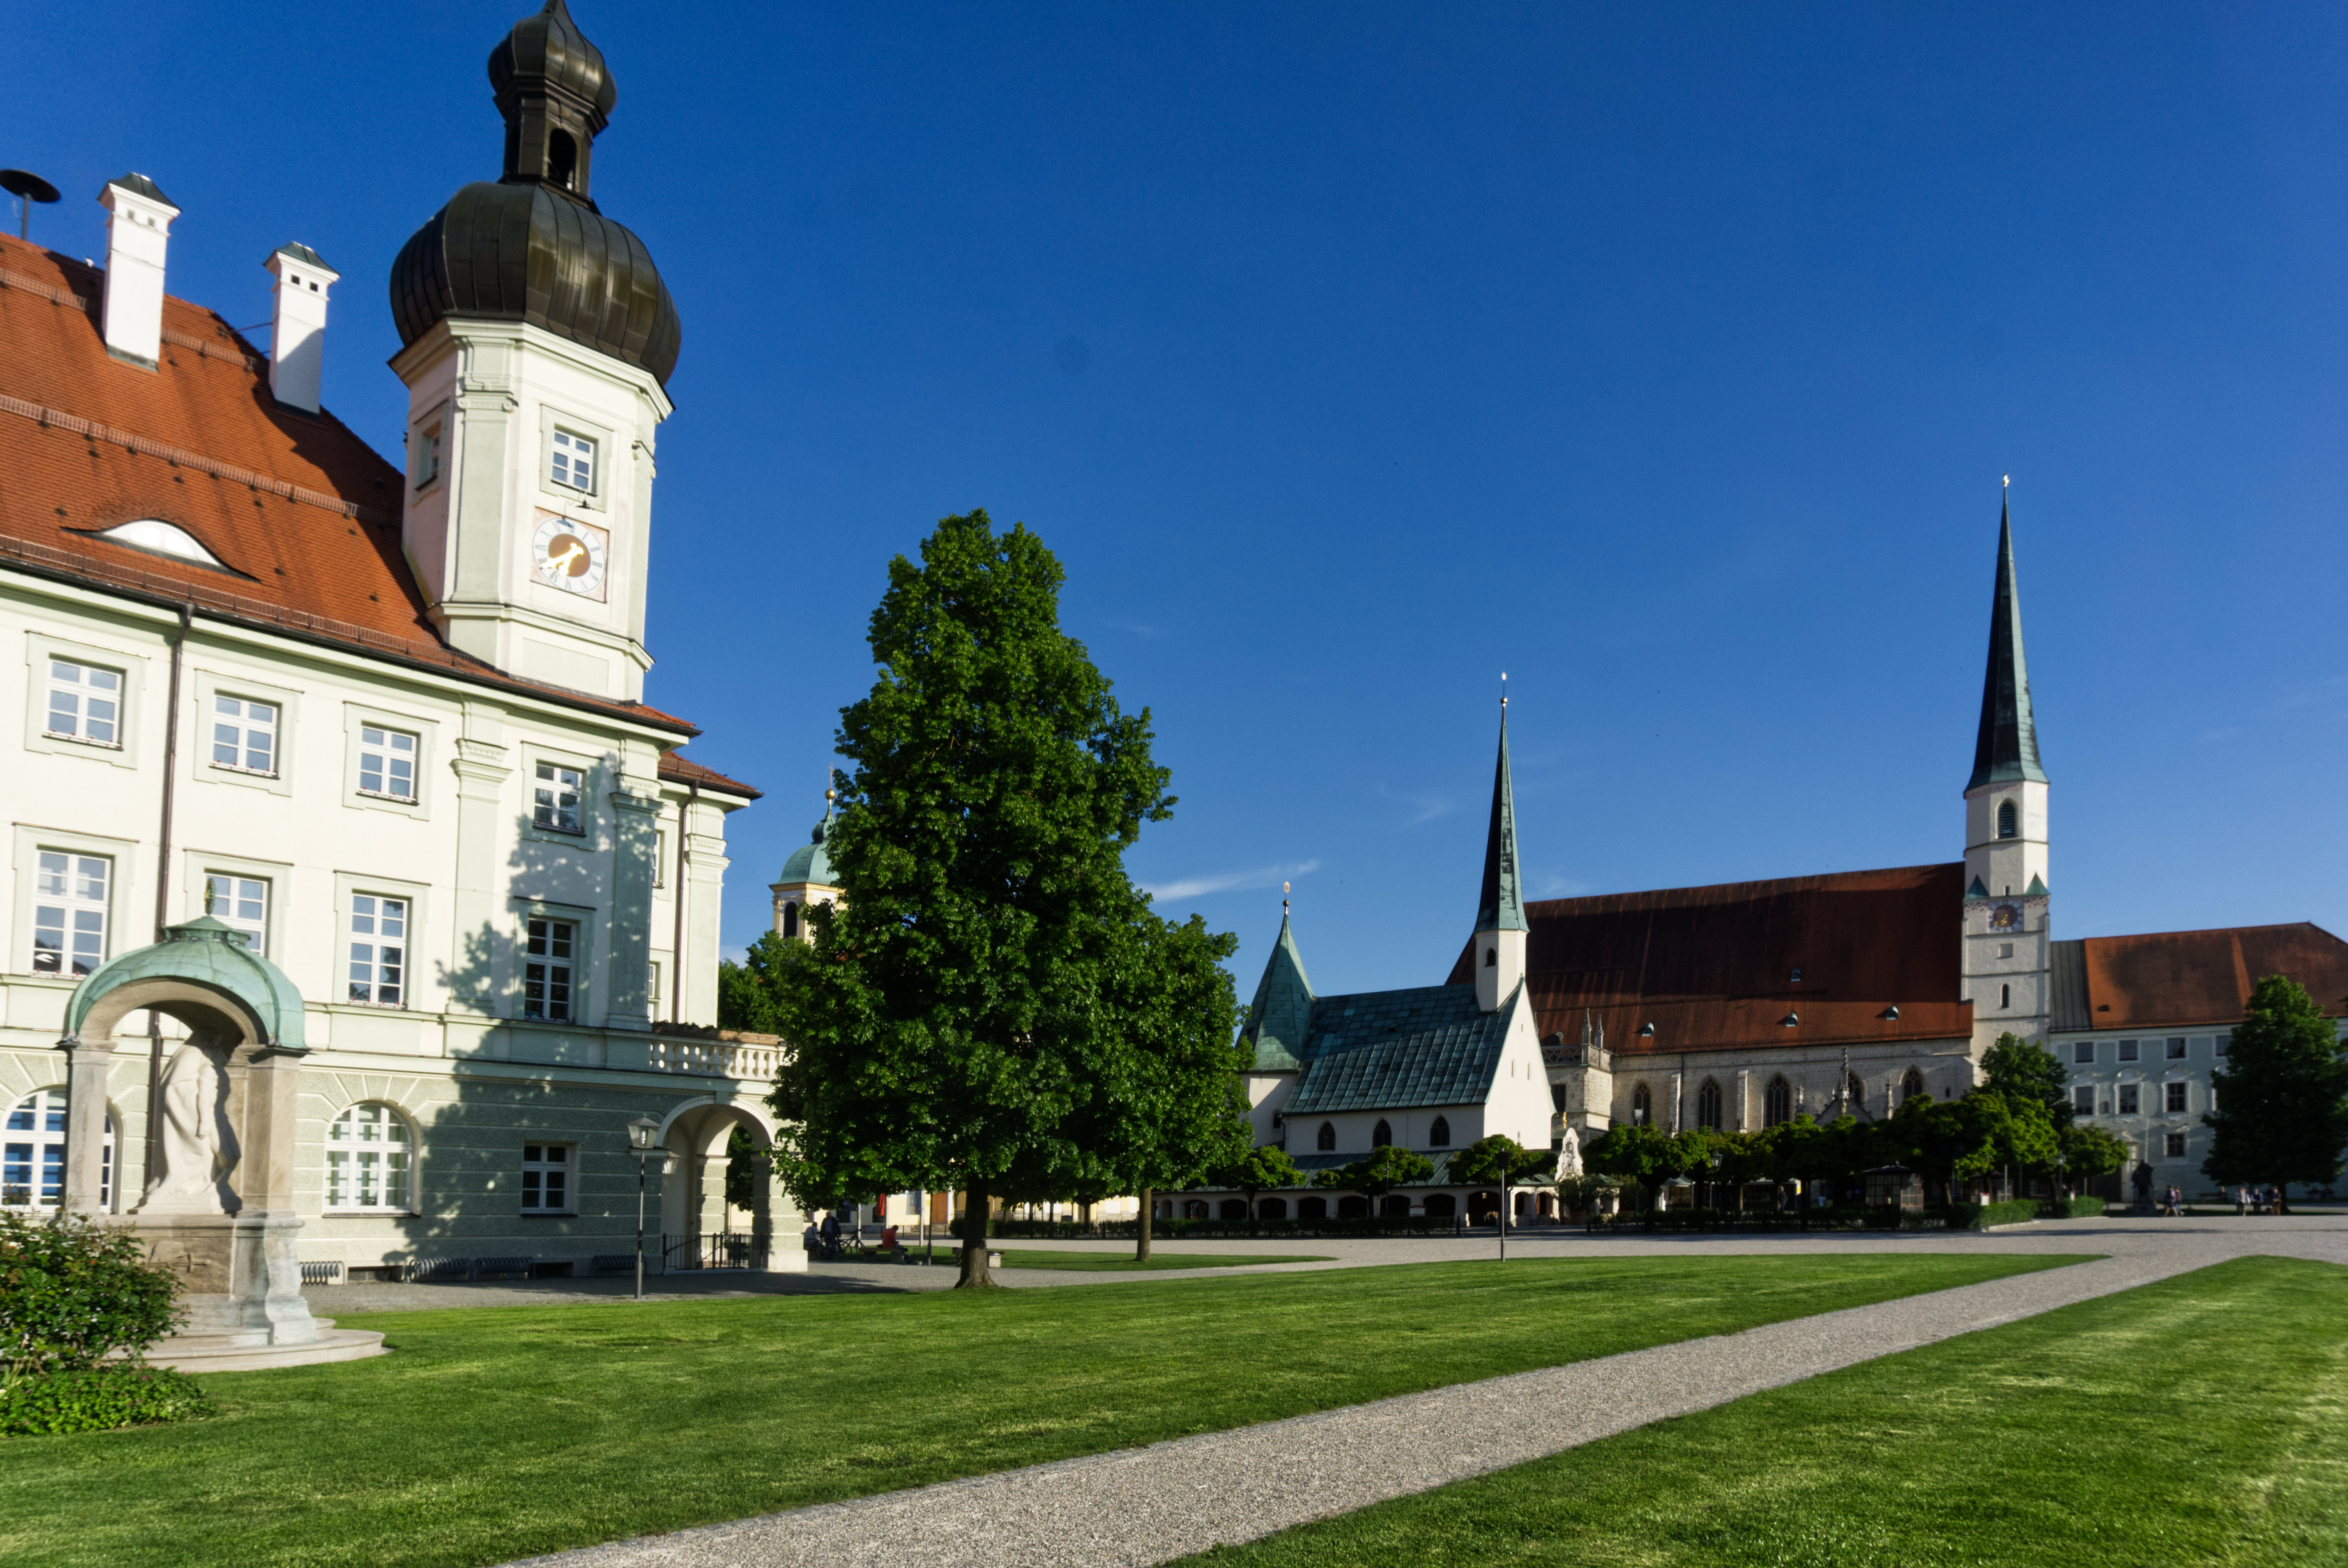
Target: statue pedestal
{"points": [[243, 1298]]}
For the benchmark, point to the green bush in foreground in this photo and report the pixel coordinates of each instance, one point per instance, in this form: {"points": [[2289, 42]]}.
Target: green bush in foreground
{"points": [[99, 1399], [74, 1291]]}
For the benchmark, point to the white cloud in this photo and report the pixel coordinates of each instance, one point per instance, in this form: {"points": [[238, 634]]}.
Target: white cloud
{"points": [[1231, 881], [1426, 805]]}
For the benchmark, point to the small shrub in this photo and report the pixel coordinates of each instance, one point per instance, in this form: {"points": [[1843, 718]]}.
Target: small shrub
{"points": [[1981, 1216], [73, 1292], [98, 1400], [2070, 1208]]}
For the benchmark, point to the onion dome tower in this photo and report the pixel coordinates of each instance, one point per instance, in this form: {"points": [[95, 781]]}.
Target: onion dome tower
{"points": [[807, 878], [538, 340]]}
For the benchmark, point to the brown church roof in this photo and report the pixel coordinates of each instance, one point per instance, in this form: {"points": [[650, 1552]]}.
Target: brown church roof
{"points": [[1711, 967], [304, 514], [2181, 979]]}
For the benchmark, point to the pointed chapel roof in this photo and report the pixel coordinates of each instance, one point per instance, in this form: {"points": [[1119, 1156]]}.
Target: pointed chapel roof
{"points": [[2007, 749], [1501, 906], [1281, 1014]]}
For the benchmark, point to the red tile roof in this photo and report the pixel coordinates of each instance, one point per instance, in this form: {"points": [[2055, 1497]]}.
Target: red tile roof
{"points": [[2182, 979], [681, 769], [304, 512], [1711, 967]]}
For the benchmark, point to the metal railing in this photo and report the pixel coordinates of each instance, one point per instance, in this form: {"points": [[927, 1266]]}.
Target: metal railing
{"points": [[714, 1249]]}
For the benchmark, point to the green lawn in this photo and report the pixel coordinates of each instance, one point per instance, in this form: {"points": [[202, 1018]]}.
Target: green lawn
{"points": [[2200, 1421], [496, 1433], [1122, 1262]]}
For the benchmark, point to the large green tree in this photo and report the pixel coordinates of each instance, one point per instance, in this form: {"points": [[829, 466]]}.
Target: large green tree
{"points": [[988, 1007], [1380, 1173], [2018, 1071], [2281, 1110], [1264, 1168]]}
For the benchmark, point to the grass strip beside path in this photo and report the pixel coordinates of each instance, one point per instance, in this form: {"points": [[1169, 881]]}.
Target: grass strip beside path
{"points": [[2203, 1419], [1123, 1263], [496, 1433]]}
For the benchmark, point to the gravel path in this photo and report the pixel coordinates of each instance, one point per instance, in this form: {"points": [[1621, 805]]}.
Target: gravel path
{"points": [[1138, 1506]]}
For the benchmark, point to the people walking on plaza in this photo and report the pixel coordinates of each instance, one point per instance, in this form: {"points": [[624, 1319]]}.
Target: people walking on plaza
{"points": [[2171, 1201]]}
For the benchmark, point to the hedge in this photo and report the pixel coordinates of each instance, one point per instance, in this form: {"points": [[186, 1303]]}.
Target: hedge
{"points": [[2070, 1208], [1981, 1216], [1186, 1230], [97, 1401]]}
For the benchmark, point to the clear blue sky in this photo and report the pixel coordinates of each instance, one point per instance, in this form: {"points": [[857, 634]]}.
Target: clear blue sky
{"points": [[1666, 358]]}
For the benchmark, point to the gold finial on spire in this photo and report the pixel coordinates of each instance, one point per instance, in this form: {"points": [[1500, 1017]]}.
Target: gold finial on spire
{"points": [[1504, 690], [1283, 900], [2006, 481]]}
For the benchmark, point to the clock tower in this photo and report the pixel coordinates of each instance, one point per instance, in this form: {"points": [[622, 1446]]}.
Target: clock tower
{"points": [[537, 341]]}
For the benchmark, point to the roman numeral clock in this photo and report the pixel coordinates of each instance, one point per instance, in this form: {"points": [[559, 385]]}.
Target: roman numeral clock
{"points": [[570, 555]]}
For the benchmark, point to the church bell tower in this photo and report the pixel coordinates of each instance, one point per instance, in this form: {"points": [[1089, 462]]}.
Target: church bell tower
{"points": [[537, 340], [2007, 943], [1500, 928]]}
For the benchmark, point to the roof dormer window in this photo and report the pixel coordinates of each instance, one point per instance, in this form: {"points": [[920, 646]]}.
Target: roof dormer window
{"points": [[159, 537]]}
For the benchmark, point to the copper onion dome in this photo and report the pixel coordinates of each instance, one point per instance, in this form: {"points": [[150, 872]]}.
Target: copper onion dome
{"points": [[531, 246]]}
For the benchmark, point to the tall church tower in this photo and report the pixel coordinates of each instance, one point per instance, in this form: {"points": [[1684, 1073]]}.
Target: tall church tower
{"points": [[537, 339], [2007, 945], [1500, 909]]}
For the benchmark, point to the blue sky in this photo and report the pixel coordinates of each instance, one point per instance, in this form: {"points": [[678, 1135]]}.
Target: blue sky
{"points": [[1665, 358]]}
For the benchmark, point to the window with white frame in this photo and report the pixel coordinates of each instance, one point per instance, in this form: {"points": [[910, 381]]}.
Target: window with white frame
{"points": [[69, 911], [2175, 1048], [2128, 1101], [2173, 1098], [32, 1155], [545, 970], [2082, 1099], [573, 463], [241, 903], [369, 1159], [244, 736], [386, 763], [378, 942], [2083, 1052], [2175, 1145], [427, 455], [556, 807], [84, 704], [2128, 1051], [546, 1178]]}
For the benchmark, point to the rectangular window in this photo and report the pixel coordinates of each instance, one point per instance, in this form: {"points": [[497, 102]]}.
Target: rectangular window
{"points": [[378, 949], [557, 805], [2128, 1051], [660, 857], [2084, 1052], [546, 1178], [244, 736], [69, 906], [2127, 1099], [84, 704], [574, 462], [2005, 949], [2175, 1048], [2224, 1040], [241, 903], [2174, 1095], [2175, 1145], [546, 973], [427, 455], [387, 764], [2082, 1099], [367, 1160]]}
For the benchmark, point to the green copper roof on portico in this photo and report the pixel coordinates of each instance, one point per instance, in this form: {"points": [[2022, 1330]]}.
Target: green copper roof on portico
{"points": [[1281, 1014], [1501, 906], [208, 954], [2007, 749]]}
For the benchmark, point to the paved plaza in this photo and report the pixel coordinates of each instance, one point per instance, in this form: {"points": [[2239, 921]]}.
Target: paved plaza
{"points": [[1148, 1505]]}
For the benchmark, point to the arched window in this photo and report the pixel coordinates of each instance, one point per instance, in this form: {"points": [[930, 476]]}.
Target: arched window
{"points": [[32, 1155], [1440, 1206], [1491, 957], [1235, 1208], [369, 1163], [790, 919], [1777, 1101], [1311, 1208], [2004, 996], [2009, 824], [1383, 1136], [1911, 1086], [1328, 1138], [1707, 1106], [1856, 1090], [1642, 1106], [561, 159], [1439, 1135]]}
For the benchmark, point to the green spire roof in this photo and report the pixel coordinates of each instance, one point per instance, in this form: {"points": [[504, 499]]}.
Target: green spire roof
{"points": [[2007, 749], [1502, 907], [1282, 1012]]}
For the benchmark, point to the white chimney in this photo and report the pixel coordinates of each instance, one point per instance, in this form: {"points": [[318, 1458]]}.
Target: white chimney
{"points": [[297, 340], [137, 232]]}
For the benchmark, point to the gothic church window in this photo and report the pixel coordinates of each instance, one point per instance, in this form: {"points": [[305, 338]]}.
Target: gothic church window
{"points": [[1328, 1138], [1777, 1101], [1439, 1135], [1707, 1106], [1642, 1106], [1382, 1137], [2008, 824], [1911, 1086]]}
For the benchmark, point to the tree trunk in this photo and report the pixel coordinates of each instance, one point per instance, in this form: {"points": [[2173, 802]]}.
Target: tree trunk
{"points": [[976, 1210], [1141, 1230]]}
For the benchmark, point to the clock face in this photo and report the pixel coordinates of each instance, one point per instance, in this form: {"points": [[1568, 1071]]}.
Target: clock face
{"points": [[2005, 917], [569, 554]]}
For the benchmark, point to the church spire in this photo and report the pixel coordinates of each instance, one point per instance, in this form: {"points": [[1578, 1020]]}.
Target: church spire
{"points": [[1502, 907], [1282, 1012], [2007, 748]]}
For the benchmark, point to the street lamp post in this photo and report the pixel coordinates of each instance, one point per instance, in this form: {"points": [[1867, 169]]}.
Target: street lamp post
{"points": [[642, 1132]]}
